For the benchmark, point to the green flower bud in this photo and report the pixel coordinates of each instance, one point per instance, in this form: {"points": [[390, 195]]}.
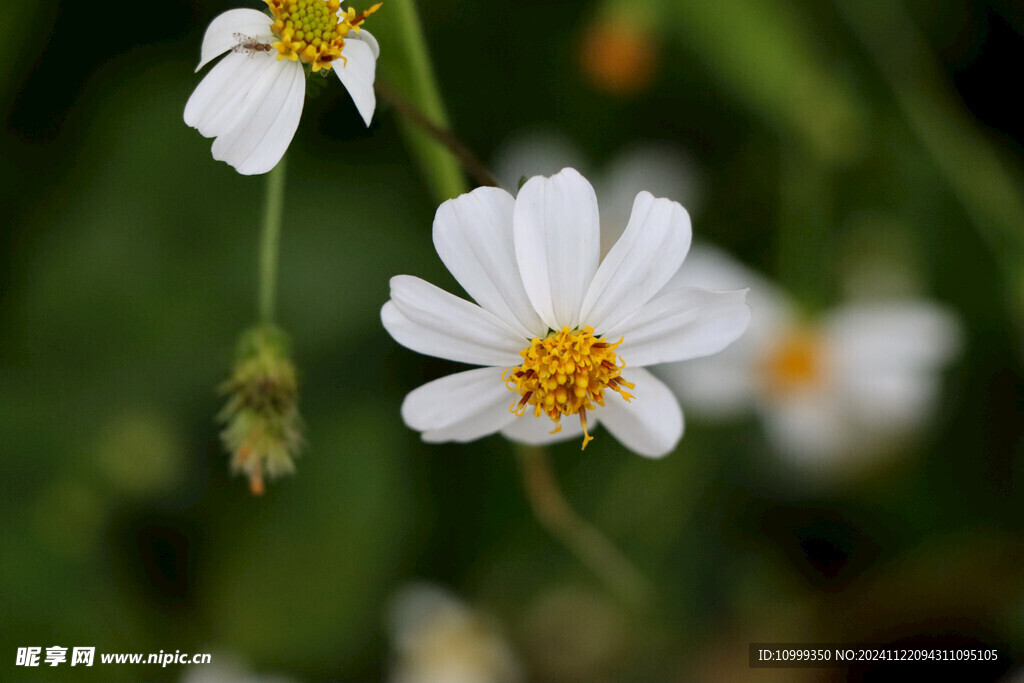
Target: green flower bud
{"points": [[262, 425]]}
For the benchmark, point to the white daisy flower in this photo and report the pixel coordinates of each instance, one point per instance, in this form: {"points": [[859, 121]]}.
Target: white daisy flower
{"points": [[662, 168], [851, 383], [439, 639], [251, 101], [560, 332]]}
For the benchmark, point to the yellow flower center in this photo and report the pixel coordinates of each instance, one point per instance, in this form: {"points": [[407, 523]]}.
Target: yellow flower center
{"points": [[796, 363], [566, 373], [312, 30]]}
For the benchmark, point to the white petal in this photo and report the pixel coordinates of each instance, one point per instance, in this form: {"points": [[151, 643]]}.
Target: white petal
{"points": [[221, 33], [886, 358], [537, 151], [727, 383], [460, 407], [661, 168], [536, 431], [413, 617], [473, 236], [811, 428], [890, 400], [651, 423], [358, 72], [223, 96], [649, 252], [431, 321], [557, 238], [711, 268], [914, 334], [681, 324], [261, 137], [367, 38], [718, 387]]}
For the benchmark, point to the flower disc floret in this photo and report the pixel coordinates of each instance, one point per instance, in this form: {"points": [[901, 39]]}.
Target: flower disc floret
{"points": [[797, 363], [313, 31], [566, 373]]}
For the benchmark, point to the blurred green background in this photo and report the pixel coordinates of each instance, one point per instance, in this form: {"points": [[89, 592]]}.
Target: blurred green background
{"points": [[128, 270]]}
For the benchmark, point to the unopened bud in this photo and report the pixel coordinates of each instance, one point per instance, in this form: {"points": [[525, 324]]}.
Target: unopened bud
{"points": [[262, 425], [619, 54]]}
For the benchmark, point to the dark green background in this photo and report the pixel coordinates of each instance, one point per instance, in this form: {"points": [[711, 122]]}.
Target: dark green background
{"points": [[127, 270]]}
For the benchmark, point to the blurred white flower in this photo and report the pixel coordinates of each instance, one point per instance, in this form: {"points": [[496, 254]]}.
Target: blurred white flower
{"points": [[438, 639], [251, 101], [851, 383], [226, 668], [555, 325], [661, 168], [538, 151]]}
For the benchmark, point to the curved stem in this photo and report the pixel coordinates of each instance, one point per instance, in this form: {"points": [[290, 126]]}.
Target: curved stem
{"points": [[456, 147], [409, 70], [589, 545], [269, 241]]}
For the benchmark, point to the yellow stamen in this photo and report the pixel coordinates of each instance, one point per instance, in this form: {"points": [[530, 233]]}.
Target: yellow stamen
{"points": [[796, 363], [313, 31], [587, 438], [566, 373]]}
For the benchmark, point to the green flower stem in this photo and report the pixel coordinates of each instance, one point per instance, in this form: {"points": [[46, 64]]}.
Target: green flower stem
{"points": [[453, 144], [406, 67], [588, 544], [269, 243], [761, 52], [979, 176]]}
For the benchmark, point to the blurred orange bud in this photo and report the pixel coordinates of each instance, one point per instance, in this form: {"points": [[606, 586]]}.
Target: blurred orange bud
{"points": [[619, 55]]}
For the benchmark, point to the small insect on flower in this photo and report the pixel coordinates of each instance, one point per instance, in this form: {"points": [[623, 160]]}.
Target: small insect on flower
{"points": [[250, 45], [251, 101], [561, 333]]}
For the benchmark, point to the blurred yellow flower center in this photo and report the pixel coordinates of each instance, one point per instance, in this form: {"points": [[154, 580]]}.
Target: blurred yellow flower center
{"points": [[796, 363], [312, 30], [566, 373]]}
